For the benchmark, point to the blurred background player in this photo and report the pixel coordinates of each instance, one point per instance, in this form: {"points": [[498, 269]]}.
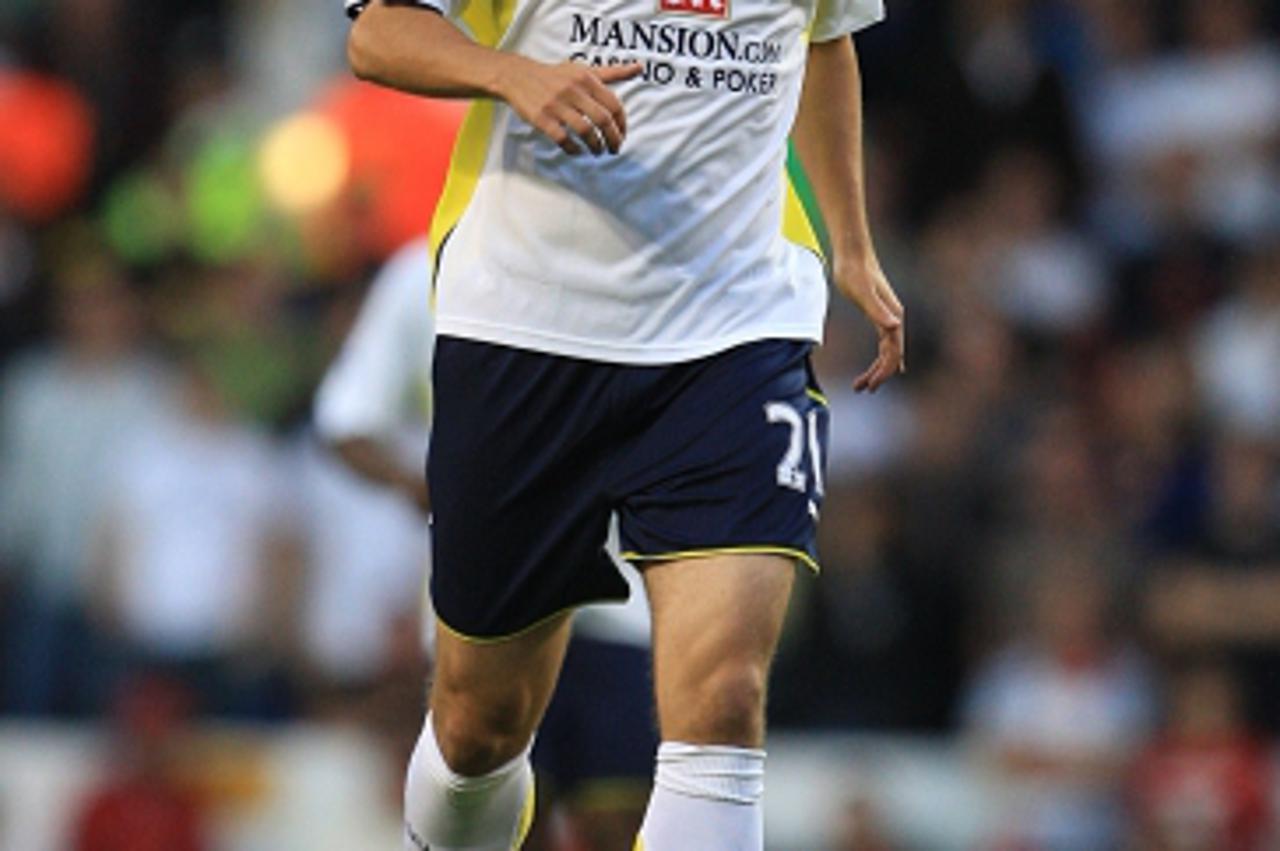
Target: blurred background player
{"points": [[595, 751]]}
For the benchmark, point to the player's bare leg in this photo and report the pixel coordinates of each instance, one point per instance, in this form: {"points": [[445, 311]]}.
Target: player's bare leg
{"points": [[470, 786], [593, 825], [488, 697], [716, 622], [602, 828]]}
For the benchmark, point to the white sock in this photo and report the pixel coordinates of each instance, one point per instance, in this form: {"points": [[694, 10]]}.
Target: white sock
{"points": [[705, 798], [445, 811]]}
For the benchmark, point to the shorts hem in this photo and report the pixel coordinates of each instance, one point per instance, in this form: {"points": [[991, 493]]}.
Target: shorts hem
{"points": [[708, 552], [509, 636], [524, 630]]}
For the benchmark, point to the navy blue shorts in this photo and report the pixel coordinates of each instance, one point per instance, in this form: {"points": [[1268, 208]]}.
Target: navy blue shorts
{"points": [[597, 741], [531, 453]]}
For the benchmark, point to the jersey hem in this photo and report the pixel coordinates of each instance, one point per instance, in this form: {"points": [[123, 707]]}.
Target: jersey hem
{"points": [[644, 354]]}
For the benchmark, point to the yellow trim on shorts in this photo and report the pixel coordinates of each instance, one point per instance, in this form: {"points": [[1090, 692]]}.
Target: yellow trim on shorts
{"points": [[499, 639], [487, 21], [709, 552], [817, 397], [639, 846]]}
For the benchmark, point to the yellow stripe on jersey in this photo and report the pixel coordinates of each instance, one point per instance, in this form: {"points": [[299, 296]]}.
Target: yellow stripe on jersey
{"points": [[801, 219], [487, 21], [469, 152], [796, 226]]}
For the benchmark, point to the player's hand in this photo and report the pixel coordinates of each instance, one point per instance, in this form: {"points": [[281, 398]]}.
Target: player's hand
{"points": [[865, 284], [570, 103]]}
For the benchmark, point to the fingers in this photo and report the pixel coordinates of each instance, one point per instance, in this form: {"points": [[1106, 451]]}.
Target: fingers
{"points": [[898, 351], [572, 117], [871, 379], [900, 333], [890, 360], [584, 110], [551, 126], [886, 365], [870, 290], [607, 98], [619, 73], [604, 125]]}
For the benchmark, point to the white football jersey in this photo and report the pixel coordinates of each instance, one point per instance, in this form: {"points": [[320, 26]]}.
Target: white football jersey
{"points": [[693, 239], [379, 382]]}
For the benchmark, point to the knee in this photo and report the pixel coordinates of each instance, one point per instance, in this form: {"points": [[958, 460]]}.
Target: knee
{"points": [[730, 705], [474, 739]]}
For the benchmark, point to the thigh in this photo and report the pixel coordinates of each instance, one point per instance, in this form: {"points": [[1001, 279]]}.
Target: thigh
{"points": [[500, 687], [715, 619]]}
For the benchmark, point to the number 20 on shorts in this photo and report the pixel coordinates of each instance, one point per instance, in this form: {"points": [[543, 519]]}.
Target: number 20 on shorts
{"points": [[791, 472]]}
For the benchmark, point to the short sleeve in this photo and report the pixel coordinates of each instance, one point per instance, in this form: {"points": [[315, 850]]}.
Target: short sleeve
{"points": [[444, 7], [836, 18]]}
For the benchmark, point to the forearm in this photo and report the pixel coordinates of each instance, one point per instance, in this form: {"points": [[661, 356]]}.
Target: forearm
{"points": [[828, 139], [418, 51]]}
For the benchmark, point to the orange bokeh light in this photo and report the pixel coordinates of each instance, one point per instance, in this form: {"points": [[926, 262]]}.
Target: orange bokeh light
{"points": [[46, 145], [400, 147]]}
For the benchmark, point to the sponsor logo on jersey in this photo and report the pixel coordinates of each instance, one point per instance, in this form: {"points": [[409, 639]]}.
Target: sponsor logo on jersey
{"points": [[705, 8]]}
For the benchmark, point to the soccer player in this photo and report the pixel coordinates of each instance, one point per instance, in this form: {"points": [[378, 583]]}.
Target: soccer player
{"points": [[626, 301], [595, 749]]}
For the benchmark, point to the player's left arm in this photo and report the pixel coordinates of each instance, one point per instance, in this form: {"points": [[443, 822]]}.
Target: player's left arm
{"points": [[828, 139]]}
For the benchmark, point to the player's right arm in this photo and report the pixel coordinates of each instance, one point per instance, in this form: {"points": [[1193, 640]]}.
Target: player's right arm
{"points": [[415, 50]]}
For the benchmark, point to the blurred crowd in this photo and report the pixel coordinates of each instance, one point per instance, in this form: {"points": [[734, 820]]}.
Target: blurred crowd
{"points": [[1057, 536]]}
